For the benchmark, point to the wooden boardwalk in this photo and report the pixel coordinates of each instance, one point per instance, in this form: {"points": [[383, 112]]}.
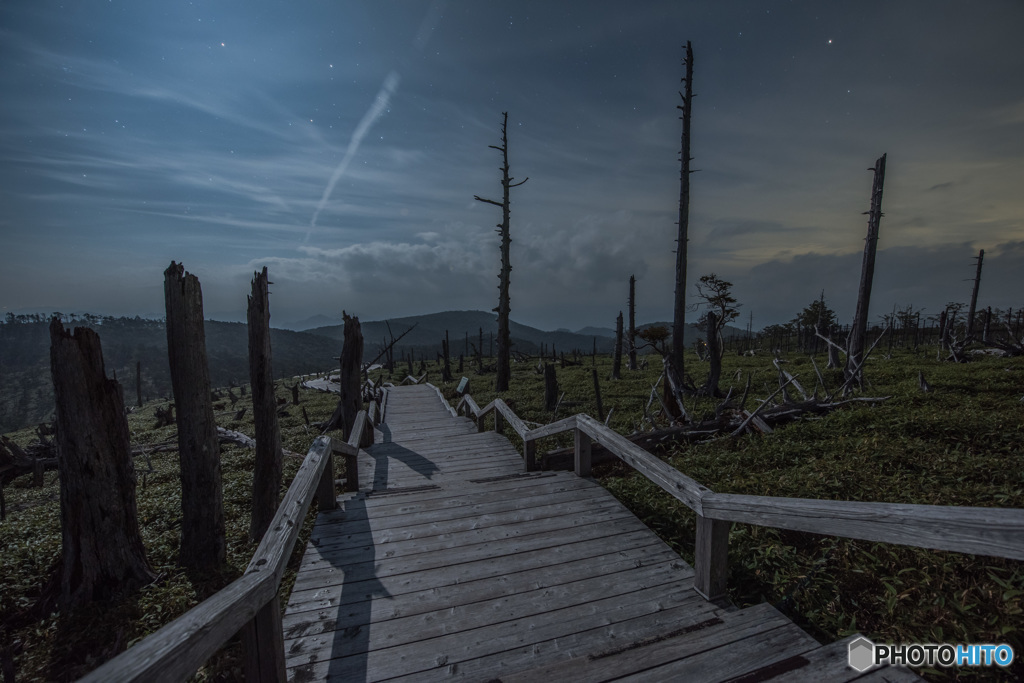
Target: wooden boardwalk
{"points": [[452, 562]]}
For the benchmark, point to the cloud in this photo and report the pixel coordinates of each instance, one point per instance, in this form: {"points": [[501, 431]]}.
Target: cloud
{"points": [[376, 110]]}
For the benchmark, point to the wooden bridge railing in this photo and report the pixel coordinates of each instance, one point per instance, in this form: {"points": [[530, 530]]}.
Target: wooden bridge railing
{"points": [[250, 604], [998, 532]]}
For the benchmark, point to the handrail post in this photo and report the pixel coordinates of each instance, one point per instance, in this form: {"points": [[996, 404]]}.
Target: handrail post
{"points": [[367, 439], [325, 498], [263, 645], [499, 421], [711, 558], [530, 454], [581, 454]]}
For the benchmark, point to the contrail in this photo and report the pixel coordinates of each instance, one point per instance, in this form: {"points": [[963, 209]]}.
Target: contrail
{"points": [[379, 106]]}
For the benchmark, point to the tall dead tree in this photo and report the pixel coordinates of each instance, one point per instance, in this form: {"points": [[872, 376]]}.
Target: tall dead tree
{"points": [[351, 359], [138, 383], [102, 552], [858, 332], [632, 323], [974, 295], [202, 506], [504, 361], [676, 365], [617, 357], [266, 482]]}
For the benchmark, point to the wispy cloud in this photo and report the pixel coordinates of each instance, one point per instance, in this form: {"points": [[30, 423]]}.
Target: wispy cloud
{"points": [[376, 110]]}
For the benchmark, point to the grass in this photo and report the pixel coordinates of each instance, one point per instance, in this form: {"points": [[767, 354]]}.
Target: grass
{"points": [[960, 444], [62, 646]]}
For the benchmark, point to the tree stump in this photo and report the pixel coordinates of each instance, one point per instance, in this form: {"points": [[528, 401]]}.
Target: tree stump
{"points": [[102, 552], [202, 523], [266, 482]]}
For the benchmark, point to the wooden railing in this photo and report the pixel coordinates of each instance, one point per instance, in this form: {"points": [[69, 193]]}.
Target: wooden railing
{"points": [[249, 605], [998, 532]]}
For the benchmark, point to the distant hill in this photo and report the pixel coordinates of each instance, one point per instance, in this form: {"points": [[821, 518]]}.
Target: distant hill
{"points": [[425, 339], [26, 389]]}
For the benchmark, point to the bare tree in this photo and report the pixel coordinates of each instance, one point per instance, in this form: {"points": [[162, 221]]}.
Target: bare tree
{"points": [[677, 357], [102, 552], [617, 356], [974, 295], [632, 323], [858, 332], [202, 525], [504, 338], [266, 482]]}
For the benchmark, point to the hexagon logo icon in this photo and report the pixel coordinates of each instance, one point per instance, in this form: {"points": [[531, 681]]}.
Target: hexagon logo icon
{"points": [[862, 654]]}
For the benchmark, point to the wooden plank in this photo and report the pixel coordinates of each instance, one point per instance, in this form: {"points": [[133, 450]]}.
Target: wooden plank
{"points": [[711, 558], [276, 547], [354, 566], [337, 536], [345, 638], [178, 649], [427, 655], [338, 555], [602, 660], [496, 497], [506, 663], [636, 547], [682, 487], [306, 617], [753, 651], [998, 532], [564, 425], [830, 663]]}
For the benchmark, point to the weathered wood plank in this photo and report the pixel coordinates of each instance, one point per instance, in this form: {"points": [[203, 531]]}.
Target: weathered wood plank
{"points": [[664, 475], [424, 656], [752, 651], [353, 567], [605, 661], [829, 662], [634, 547], [274, 550], [345, 638], [998, 532], [307, 617], [178, 649], [331, 555]]}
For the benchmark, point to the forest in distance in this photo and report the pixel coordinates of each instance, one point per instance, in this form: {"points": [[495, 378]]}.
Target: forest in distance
{"points": [[26, 391]]}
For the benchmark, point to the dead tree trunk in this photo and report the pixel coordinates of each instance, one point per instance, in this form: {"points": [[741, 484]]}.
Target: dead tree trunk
{"points": [[714, 355], [617, 358], [102, 552], [633, 324], [855, 348], [138, 383], [504, 361], [677, 363], [974, 295], [597, 395], [266, 482], [351, 399], [446, 371], [550, 387], [202, 507]]}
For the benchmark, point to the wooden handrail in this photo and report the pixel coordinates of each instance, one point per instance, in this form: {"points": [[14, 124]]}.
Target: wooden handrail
{"points": [[997, 532], [249, 604]]}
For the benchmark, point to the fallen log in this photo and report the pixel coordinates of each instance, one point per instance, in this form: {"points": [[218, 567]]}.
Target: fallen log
{"points": [[730, 422]]}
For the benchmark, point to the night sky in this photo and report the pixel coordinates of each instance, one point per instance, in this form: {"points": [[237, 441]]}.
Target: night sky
{"points": [[341, 143]]}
